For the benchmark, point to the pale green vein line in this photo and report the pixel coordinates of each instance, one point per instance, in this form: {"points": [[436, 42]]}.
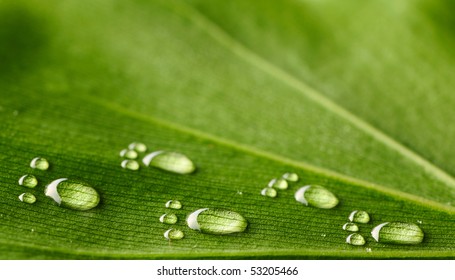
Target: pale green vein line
{"points": [[248, 55]]}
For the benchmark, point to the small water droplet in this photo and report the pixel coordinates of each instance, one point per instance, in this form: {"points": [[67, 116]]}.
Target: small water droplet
{"points": [[368, 250], [359, 217], [316, 196], [138, 147], [323, 235], [173, 204], [72, 194], [216, 221], [131, 154], [398, 233], [291, 177], [355, 239], [28, 181], [270, 192], [419, 221], [170, 161], [280, 184], [27, 198], [169, 219], [39, 163], [173, 234], [350, 227], [130, 164]]}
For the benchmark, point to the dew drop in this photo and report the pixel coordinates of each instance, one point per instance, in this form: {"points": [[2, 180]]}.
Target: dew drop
{"points": [[359, 217], [27, 198], [169, 219], [173, 204], [72, 194], [138, 147], [270, 192], [291, 177], [316, 196], [280, 184], [28, 181], [173, 234], [398, 233], [130, 164], [216, 221], [350, 227], [126, 153], [170, 161], [39, 163], [355, 239]]}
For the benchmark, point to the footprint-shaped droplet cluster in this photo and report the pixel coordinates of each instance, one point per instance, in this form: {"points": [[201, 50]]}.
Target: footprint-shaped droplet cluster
{"points": [[279, 184], [171, 218], [356, 217]]}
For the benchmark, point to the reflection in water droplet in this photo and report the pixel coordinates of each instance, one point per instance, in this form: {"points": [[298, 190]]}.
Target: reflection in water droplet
{"points": [[270, 192], [359, 217], [216, 221], [291, 177], [316, 196], [169, 219], [130, 164], [398, 233], [27, 198], [72, 194], [173, 234], [173, 204], [138, 147], [28, 181], [39, 163], [170, 161], [355, 239], [280, 184], [131, 154], [350, 227]]}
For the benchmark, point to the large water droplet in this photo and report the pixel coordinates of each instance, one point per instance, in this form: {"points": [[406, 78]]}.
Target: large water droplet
{"points": [[350, 227], [72, 194], [173, 234], [169, 219], [173, 204], [138, 147], [398, 233], [130, 164], [280, 184], [359, 217], [39, 163], [170, 161], [355, 239], [131, 154], [270, 192], [27, 198], [216, 221], [291, 177], [28, 181], [316, 196]]}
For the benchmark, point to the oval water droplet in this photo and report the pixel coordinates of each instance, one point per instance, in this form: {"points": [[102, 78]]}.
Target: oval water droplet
{"points": [[169, 219], [350, 227], [138, 147], [269, 192], [173, 204], [216, 221], [359, 217], [72, 194], [173, 234], [291, 177], [28, 181], [27, 198], [355, 239], [280, 184], [130, 164], [316, 196], [39, 163], [126, 153], [398, 233], [170, 161]]}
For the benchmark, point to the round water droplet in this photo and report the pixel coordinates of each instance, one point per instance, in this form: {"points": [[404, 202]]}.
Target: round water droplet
{"points": [[398, 233], [270, 192], [138, 147], [27, 198], [291, 177], [169, 219], [130, 164], [280, 184], [350, 227], [170, 161], [216, 221], [72, 194], [39, 163], [173, 204], [316, 196], [28, 181], [355, 239], [173, 234], [359, 217], [131, 154]]}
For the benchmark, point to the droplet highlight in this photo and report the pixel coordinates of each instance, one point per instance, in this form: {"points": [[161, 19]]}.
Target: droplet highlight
{"points": [[361, 217], [138, 147], [130, 164], [316, 196], [169, 219], [28, 181], [355, 239], [72, 194], [269, 192], [216, 221], [291, 177], [350, 227], [398, 233], [27, 198], [130, 154], [280, 184], [39, 163], [173, 204], [170, 161], [173, 234]]}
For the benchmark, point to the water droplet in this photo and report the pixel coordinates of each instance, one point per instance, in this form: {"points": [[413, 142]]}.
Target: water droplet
{"points": [[316, 196], [368, 250], [72, 194], [170, 161], [169, 219], [130, 164], [173, 234], [131, 154], [419, 221], [280, 184], [216, 221], [398, 233], [138, 147], [27, 198], [359, 217], [174, 204], [350, 227], [355, 239], [28, 181], [291, 177], [270, 192], [39, 163]]}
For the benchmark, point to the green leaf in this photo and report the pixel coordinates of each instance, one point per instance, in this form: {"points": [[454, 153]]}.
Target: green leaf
{"points": [[350, 95]]}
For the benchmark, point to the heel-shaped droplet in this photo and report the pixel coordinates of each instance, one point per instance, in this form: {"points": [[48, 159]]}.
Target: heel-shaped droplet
{"points": [[170, 161], [398, 233], [216, 221], [316, 196], [72, 194]]}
